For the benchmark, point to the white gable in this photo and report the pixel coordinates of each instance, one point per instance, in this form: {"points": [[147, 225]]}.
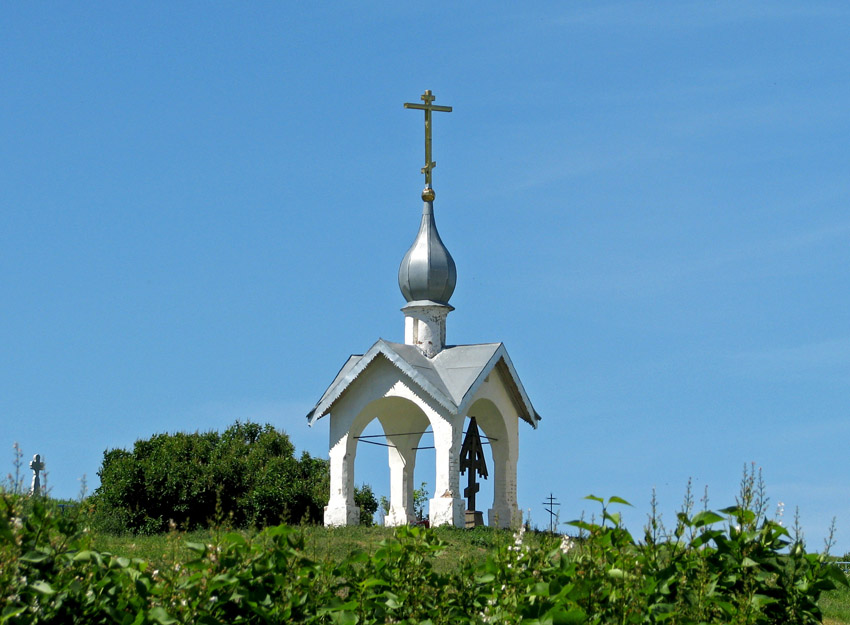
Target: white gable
{"points": [[451, 377]]}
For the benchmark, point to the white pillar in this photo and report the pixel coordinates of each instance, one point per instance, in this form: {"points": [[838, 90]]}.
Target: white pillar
{"points": [[341, 509], [505, 511], [447, 506], [402, 463]]}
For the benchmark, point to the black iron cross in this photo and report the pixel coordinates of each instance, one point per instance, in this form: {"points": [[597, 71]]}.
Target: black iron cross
{"points": [[472, 458]]}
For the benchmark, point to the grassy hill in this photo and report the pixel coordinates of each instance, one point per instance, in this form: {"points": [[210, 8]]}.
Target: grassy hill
{"points": [[336, 544], [732, 566]]}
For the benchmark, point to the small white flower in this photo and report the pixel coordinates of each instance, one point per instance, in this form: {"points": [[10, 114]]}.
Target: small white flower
{"points": [[518, 536]]}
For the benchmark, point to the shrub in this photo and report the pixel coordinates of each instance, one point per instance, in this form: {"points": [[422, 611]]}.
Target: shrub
{"points": [[245, 476], [365, 499], [735, 574]]}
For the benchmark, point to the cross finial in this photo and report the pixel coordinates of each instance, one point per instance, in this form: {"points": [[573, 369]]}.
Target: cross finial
{"points": [[428, 98]]}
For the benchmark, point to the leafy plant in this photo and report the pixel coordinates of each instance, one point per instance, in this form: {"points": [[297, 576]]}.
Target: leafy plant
{"points": [[733, 566], [365, 498], [15, 481], [420, 499], [245, 476]]}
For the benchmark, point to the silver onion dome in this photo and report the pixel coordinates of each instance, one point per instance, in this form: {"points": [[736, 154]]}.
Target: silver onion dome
{"points": [[427, 271]]}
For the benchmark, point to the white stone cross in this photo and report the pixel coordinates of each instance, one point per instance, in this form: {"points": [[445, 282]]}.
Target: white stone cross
{"points": [[36, 465]]}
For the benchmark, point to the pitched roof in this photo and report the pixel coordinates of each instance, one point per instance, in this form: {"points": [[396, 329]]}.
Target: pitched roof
{"points": [[451, 377]]}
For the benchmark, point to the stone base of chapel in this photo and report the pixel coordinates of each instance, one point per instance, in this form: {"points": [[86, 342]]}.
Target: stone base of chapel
{"points": [[504, 517], [341, 514], [397, 517], [447, 511]]}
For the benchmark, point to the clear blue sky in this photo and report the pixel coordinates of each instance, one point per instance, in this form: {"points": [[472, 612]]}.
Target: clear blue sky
{"points": [[203, 208]]}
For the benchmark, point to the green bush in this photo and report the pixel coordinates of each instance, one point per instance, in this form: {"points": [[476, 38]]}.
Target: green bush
{"points": [[364, 498], [245, 476], [732, 567]]}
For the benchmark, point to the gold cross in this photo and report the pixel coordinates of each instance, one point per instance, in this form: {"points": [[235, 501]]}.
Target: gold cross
{"points": [[427, 98]]}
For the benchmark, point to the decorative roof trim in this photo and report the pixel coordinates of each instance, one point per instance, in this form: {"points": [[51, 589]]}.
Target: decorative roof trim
{"points": [[381, 347], [409, 370], [528, 413]]}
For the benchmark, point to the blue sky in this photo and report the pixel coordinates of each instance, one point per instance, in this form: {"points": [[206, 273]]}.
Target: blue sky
{"points": [[204, 206]]}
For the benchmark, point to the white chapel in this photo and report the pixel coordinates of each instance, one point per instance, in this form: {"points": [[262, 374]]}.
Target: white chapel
{"points": [[424, 382]]}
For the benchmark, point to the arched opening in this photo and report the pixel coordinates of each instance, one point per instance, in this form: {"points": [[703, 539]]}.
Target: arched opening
{"points": [[500, 432], [370, 464], [484, 492], [392, 429]]}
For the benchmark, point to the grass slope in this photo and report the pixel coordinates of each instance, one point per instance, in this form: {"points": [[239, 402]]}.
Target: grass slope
{"points": [[321, 544]]}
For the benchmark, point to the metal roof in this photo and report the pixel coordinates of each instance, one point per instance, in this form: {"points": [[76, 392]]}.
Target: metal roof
{"points": [[427, 271], [451, 378]]}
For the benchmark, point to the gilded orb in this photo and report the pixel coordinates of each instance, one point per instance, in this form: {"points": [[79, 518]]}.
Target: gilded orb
{"points": [[428, 194]]}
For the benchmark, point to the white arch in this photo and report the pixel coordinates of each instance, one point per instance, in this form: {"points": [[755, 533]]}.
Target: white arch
{"points": [[386, 395], [502, 429], [407, 393]]}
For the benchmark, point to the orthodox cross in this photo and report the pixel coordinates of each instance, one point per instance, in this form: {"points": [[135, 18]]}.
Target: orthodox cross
{"points": [[36, 465], [427, 98], [551, 502], [472, 458]]}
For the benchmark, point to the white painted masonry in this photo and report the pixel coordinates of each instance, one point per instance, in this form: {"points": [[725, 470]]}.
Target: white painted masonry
{"points": [[425, 326], [407, 394]]}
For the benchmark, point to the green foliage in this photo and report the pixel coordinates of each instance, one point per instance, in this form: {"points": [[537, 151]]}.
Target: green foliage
{"points": [[365, 499], [732, 566], [420, 498], [749, 571], [245, 476]]}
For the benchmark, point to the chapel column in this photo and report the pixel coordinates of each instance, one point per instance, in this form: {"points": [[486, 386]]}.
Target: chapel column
{"points": [[402, 460], [341, 509], [447, 506]]}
